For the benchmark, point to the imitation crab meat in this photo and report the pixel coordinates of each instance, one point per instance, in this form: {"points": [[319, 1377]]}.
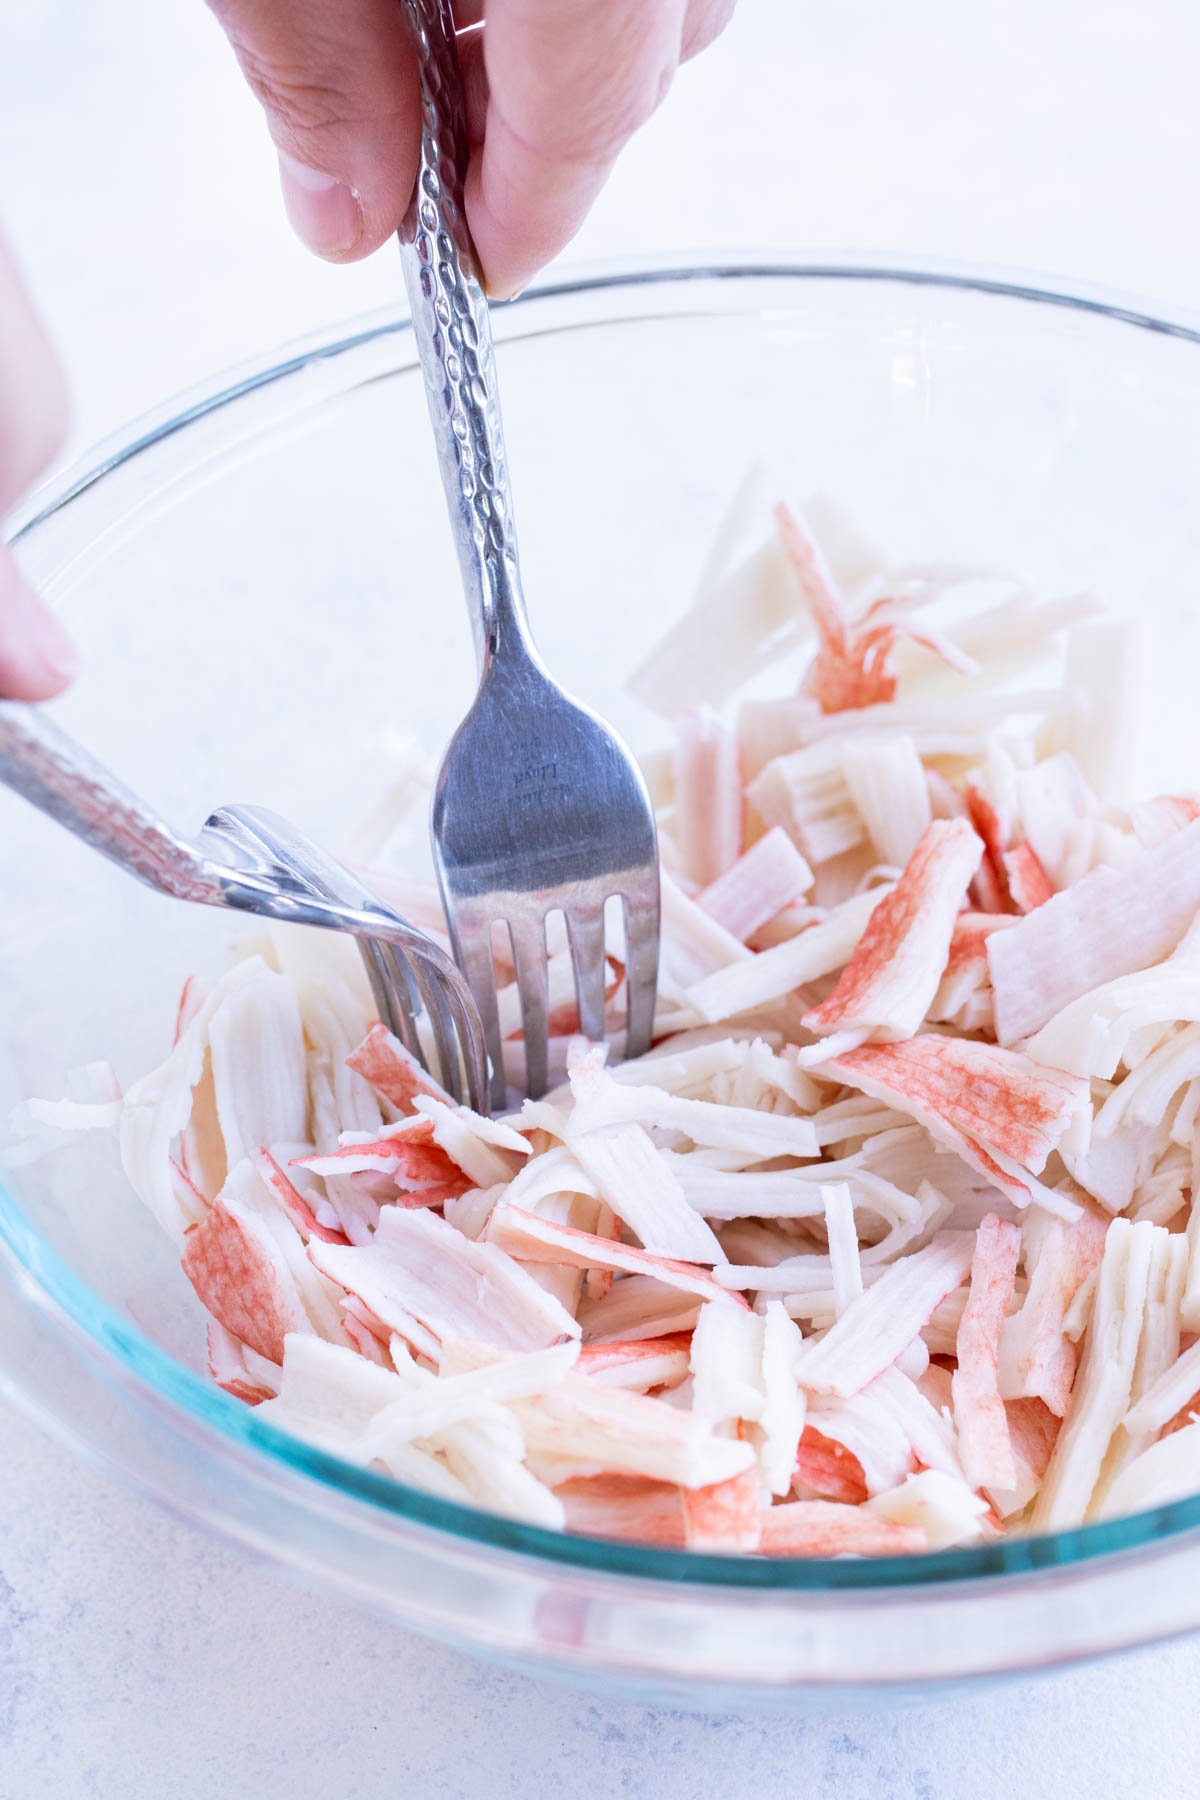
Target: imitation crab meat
{"points": [[891, 1242]]}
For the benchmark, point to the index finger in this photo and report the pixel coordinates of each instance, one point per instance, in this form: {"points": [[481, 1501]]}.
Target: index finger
{"points": [[569, 81], [33, 395], [36, 658]]}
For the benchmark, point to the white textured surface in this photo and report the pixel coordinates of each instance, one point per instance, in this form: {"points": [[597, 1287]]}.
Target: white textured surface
{"points": [[135, 1658]]}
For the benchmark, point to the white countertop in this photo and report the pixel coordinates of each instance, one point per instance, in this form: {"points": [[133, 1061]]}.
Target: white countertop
{"points": [[137, 1659]]}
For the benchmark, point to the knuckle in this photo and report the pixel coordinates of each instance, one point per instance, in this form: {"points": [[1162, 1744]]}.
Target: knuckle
{"points": [[602, 130], [294, 96]]}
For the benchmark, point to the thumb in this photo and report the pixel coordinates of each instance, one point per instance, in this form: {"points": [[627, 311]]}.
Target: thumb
{"points": [[339, 87]]}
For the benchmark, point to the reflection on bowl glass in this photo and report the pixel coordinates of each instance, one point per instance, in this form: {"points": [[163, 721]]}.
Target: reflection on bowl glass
{"points": [[265, 595]]}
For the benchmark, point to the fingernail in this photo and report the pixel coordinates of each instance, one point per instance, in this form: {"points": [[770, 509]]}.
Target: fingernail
{"points": [[502, 290], [324, 213]]}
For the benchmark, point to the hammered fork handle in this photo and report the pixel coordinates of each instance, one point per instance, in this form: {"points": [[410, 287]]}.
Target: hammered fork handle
{"points": [[454, 340], [58, 776]]}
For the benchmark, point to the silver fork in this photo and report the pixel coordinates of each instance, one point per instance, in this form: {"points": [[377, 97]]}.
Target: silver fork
{"points": [[253, 861], [539, 807]]}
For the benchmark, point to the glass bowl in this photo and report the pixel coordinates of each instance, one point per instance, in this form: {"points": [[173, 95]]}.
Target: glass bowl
{"points": [[262, 583]]}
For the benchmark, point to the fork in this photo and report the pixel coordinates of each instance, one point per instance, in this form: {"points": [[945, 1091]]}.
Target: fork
{"points": [[538, 806], [253, 861]]}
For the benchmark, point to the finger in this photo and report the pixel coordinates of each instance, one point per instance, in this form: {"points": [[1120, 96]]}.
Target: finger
{"points": [[705, 21], [33, 395], [569, 81], [37, 658], [474, 80], [339, 87]]}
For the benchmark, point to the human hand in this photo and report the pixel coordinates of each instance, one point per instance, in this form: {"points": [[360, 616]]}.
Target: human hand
{"points": [[554, 90], [37, 658]]}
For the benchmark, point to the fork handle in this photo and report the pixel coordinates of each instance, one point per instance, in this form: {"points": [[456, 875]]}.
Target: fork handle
{"points": [[48, 768], [454, 342]]}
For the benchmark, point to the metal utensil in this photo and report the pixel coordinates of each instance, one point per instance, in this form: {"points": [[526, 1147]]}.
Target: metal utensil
{"points": [[253, 861], [539, 807]]}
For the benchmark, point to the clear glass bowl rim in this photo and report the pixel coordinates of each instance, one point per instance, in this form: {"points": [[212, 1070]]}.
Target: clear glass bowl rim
{"points": [[71, 1307]]}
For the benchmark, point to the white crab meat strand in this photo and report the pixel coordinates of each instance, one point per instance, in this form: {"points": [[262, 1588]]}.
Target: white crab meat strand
{"points": [[1002, 1112], [652, 1363], [580, 1421], [1105, 1379], [1158, 1351], [1112, 923], [884, 1320], [844, 1260], [484, 1149], [751, 1135], [886, 782], [766, 878], [694, 944], [1094, 1033], [417, 1265], [1037, 1356], [929, 1427], [781, 1420], [256, 1042], [157, 1108], [526, 1237], [1166, 1471], [865, 1427], [944, 1508], [626, 1168], [1157, 819], [726, 1365], [774, 974], [1106, 674], [637, 1307]]}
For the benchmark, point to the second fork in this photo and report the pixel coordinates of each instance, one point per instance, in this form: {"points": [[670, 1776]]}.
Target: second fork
{"points": [[539, 807]]}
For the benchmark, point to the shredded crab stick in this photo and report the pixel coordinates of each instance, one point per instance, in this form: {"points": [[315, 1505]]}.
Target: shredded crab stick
{"points": [[1112, 922], [984, 1441], [886, 988], [708, 798], [964, 994], [892, 1240], [526, 1237], [853, 666], [827, 1528], [393, 1071], [652, 1363], [827, 1469], [882, 1322], [755, 889], [1104, 1384], [1001, 1111], [1037, 1357], [773, 974], [417, 1266]]}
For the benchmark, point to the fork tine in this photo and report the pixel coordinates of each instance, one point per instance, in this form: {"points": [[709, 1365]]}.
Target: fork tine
{"points": [[471, 1044], [472, 944], [369, 951], [390, 990], [533, 986], [442, 1025], [585, 928], [406, 1000], [641, 967]]}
